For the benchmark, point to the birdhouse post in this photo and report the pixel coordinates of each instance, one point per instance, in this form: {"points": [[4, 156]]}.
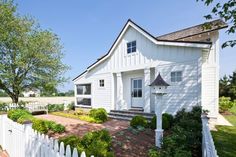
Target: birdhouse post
{"points": [[159, 89]]}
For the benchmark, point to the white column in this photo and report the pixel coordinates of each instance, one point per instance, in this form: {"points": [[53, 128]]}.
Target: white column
{"points": [[119, 91], [75, 94], [147, 90], [158, 111]]}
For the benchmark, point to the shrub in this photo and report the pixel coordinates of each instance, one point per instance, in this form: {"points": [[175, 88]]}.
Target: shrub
{"points": [[25, 118], [58, 128], [225, 104], [138, 121], [3, 106], [153, 152], [16, 114], [99, 114], [71, 106], [79, 112], [55, 107], [40, 126], [97, 143], [167, 121]]}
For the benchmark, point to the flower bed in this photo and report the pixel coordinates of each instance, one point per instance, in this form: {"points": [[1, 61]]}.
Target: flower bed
{"points": [[43, 126], [94, 116]]}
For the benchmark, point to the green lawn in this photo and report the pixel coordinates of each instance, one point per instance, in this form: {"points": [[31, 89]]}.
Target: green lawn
{"points": [[231, 119], [225, 141], [233, 109]]}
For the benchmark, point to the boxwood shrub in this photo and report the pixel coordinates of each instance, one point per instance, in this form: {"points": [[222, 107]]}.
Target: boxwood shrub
{"points": [[55, 107], [167, 121], [138, 121], [98, 114]]}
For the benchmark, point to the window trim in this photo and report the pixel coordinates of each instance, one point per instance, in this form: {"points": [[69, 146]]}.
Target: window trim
{"points": [[176, 76], [82, 93], [131, 47]]}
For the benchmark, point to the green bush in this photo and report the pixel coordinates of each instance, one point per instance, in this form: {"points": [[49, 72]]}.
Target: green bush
{"points": [[53, 126], [16, 114], [138, 121], [25, 118], [40, 126], [55, 107], [153, 152], [3, 106], [225, 104], [185, 137], [71, 106], [97, 143], [99, 114], [167, 121]]}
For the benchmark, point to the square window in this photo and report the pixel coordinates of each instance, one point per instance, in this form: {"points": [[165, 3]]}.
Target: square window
{"points": [[101, 83], [176, 76], [131, 47]]}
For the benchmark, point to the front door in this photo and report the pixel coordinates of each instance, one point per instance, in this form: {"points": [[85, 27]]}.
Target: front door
{"points": [[137, 92]]}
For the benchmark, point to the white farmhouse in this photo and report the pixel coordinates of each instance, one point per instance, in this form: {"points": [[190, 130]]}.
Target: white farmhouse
{"points": [[188, 60], [31, 93]]}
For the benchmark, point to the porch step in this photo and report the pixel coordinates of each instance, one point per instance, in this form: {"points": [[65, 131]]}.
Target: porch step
{"points": [[128, 115]]}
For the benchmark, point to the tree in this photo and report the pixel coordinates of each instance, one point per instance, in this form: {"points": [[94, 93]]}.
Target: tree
{"points": [[30, 57], [232, 89], [228, 86], [227, 12]]}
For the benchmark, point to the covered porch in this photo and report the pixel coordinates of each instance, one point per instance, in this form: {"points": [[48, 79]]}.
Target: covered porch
{"points": [[132, 91]]}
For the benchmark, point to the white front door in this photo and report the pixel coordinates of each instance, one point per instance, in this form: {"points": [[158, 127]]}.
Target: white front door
{"points": [[137, 92]]}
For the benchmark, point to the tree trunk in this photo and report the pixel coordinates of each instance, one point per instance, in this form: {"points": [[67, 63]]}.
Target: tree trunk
{"points": [[15, 98]]}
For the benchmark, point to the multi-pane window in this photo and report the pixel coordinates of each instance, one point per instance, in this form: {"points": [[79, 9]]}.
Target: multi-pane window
{"points": [[131, 47], [176, 76], [101, 83], [84, 101], [84, 89], [137, 88]]}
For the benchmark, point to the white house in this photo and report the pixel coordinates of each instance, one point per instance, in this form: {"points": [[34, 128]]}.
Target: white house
{"points": [[31, 93], [188, 60]]}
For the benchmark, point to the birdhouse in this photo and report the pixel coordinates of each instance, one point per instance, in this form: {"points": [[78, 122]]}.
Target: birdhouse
{"points": [[159, 86]]}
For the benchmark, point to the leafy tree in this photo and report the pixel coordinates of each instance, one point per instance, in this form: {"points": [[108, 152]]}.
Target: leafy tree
{"points": [[228, 86], [226, 10], [30, 57]]}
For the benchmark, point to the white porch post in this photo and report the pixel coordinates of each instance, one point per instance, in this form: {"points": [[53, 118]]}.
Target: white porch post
{"points": [[119, 91], [147, 92], [75, 94]]}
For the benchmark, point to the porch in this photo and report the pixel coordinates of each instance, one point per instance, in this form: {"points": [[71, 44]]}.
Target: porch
{"points": [[132, 92]]}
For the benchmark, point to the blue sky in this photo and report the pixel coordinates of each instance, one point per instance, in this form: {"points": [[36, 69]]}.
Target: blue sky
{"points": [[88, 28]]}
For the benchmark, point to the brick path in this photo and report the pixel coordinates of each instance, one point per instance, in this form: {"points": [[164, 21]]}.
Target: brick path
{"points": [[78, 127]]}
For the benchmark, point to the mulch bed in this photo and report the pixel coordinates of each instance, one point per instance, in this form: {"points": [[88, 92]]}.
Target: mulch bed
{"points": [[133, 143]]}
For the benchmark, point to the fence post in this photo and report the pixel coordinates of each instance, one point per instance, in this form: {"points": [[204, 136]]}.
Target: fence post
{"points": [[27, 137], [3, 129]]}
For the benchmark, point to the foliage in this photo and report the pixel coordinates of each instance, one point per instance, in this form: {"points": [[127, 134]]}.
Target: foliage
{"points": [[226, 11], [153, 152], [225, 104], [97, 143], [71, 106], [16, 114], [185, 137], [3, 106], [43, 126], [99, 114], [227, 86], [225, 140], [138, 121], [167, 121], [75, 116], [40, 126], [55, 107], [30, 57]]}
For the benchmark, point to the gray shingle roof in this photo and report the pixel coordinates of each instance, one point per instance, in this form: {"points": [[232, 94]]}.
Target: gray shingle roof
{"points": [[159, 81], [194, 30]]}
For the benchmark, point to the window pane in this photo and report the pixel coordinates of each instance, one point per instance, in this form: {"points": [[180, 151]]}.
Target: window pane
{"points": [[128, 45], [134, 43], [172, 79], [84, 89], [135, 93], [134, 49], [129, 50], [178, 79], [135, 84], [179, 74], [140, 93], [101, 83], [84, 101], [172, 74], [139, 83]]}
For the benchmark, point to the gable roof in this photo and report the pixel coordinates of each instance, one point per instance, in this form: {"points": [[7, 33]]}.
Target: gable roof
{"points": [[159, 81], [194, 30], [130, 23]]}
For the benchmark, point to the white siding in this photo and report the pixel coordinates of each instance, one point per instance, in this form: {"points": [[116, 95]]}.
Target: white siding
{"points": [[164, 59]]}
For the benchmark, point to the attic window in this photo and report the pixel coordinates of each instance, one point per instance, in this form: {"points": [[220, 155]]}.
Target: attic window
{"points": [[131, 47], [101, 83], [176, 76]]}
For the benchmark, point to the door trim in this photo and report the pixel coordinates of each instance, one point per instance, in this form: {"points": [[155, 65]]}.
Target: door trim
{"points": [[131, 80]]}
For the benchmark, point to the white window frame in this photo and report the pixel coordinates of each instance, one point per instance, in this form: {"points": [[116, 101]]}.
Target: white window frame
{"points": [[131, 47], [178, 76]]}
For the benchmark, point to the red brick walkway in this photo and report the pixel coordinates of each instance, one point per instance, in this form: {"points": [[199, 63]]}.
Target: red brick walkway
{"points": [[78, 127]]}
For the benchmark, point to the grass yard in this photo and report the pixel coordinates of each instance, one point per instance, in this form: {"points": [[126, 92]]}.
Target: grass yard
{"points": [[231, 119], [225, 140]]}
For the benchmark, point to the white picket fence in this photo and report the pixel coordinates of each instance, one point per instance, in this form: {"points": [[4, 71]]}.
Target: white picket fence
{"points": [[208, 147], [22, 141]]}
